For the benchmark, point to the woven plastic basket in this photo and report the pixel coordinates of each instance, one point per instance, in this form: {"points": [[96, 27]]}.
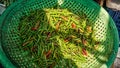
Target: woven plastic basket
{"points": [[11, 55]]}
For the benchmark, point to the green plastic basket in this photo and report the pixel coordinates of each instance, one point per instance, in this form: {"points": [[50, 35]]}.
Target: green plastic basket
{"points": [[11, 56]]}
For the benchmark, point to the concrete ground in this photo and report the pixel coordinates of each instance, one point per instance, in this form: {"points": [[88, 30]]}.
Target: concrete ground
{"points": [[117, 61]]}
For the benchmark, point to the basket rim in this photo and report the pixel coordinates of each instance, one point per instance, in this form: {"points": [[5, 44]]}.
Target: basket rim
{"points": [[3, 58], [8, 64]]}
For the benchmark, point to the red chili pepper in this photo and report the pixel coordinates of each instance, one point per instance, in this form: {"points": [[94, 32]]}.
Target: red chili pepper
{"points": [[66, 40], [52, 65], [34, 29], [33, 49], [49, 34], [48, 54], [84, 52], [36, 26], [73, 25]]}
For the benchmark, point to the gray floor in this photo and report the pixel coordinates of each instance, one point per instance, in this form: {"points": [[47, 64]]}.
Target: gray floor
{"points": [[2, 8], [117, 61]]}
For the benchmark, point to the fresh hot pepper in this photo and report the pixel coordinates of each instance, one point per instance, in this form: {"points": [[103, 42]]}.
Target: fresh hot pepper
{"points": [[36, 26], [84, 52], [48, 54]]}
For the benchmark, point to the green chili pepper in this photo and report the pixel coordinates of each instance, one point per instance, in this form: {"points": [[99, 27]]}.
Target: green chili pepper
{"points": [[53, 35]]}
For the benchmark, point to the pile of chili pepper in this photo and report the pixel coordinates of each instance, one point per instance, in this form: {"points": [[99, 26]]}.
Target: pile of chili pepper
{"points": [[56, 38]]}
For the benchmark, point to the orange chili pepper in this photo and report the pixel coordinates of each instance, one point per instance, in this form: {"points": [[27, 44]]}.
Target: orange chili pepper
{"points": [[66, 40], [84, 42], [73, 25], [65, 18], [58, 25]]}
